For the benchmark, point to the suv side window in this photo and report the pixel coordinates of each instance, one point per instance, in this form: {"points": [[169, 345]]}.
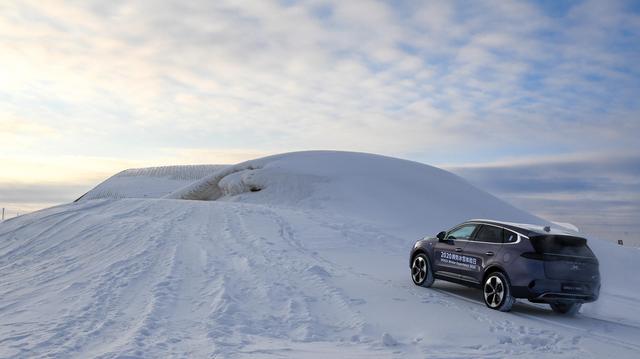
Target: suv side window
{"points": [[490, 234], [463, 232], [509, 237]]}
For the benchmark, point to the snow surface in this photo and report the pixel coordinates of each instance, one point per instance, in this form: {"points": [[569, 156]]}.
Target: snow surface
{"points": [[312, 263], [151, 182]]}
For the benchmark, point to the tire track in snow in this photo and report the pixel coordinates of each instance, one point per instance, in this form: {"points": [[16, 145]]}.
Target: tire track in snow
{"points": [[154, 326], [114, 293], [315, 273], [57, 257], [188, 291], [555, 323], [105, 292], [263, 266]]}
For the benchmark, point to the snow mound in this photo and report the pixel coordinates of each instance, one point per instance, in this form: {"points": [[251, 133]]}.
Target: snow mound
{"points": [[383, 190], [151, 182], [296, 255]]}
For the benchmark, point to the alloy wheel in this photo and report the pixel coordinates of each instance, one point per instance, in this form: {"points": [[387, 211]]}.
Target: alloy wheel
{"points": [[493, 291], [419, 270]]}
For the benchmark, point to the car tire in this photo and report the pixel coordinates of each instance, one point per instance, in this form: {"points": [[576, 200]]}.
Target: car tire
{"points": [[566, 308], [421, 272], [496, 291]]}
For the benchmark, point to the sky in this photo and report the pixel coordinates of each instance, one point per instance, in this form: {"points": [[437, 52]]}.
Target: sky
{"points": [[536, 102]]}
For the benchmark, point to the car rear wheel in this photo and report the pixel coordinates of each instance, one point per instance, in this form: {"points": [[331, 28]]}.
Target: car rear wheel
{"points": [[567, 308], [421, 272], [497, 292]]}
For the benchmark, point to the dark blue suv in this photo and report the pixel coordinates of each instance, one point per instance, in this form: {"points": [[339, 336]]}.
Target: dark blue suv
{"points": [[508, 261]]}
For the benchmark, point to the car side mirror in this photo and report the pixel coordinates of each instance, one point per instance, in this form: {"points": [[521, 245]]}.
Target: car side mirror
{"points": [[441, 235]]}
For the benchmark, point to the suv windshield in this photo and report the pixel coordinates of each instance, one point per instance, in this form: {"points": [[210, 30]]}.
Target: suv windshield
{"points": [[562, 245]]}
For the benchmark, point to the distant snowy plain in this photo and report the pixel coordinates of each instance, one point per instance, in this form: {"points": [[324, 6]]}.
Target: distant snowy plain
{"points": [[301, 255]]}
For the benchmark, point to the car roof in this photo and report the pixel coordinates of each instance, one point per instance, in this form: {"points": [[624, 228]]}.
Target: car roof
{"points": [[529, 230]]}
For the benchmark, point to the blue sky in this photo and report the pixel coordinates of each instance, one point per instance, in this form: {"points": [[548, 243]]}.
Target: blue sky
{"points": [[89, 88]]}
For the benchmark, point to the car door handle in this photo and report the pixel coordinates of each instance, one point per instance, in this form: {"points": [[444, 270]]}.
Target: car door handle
{"points": [[458, 249], [489, 253]]}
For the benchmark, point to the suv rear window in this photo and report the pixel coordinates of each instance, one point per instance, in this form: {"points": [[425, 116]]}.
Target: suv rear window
{"points": [[562, 245], [489, 234], [509, 237]]}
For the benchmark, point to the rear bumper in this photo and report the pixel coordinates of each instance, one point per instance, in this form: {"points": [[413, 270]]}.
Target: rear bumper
{"points": [[548, 290]]}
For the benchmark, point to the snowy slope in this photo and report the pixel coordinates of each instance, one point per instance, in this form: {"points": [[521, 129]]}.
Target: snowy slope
{"points": [[410, 197], [151, 182], [314, 264]]}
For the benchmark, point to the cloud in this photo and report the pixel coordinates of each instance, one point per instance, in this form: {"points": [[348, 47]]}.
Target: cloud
{"points": [[363, 75], [602, 173], [18, 194], [20, 133], [599, 193]]}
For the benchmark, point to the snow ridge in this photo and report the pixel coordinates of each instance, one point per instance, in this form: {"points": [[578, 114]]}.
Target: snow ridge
{"points": [[151, 182]]}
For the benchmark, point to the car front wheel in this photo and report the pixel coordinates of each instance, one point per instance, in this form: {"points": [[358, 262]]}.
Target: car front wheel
{"points": [[497, 292], [421, 272]]}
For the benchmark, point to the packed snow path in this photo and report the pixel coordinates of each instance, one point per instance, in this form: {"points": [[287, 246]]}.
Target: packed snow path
{"points": [[172, 278]]}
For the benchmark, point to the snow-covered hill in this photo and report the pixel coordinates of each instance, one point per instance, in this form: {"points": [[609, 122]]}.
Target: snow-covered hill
{"points": [[152, 182], [295, 255]]}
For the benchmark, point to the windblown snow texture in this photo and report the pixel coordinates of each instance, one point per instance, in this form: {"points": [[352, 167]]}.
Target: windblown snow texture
{"points": [[150, 182], [296, 255]]}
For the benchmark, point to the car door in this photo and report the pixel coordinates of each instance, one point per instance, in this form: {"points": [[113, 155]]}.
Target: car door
{"points": [[448, 253], [484, 249]]}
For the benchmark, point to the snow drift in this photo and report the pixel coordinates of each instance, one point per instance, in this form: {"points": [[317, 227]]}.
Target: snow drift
{"points": [[297, 255], [152, 182]]}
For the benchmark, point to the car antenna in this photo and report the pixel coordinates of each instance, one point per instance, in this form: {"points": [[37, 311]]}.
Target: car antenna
{"points": [[547, 229]]}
